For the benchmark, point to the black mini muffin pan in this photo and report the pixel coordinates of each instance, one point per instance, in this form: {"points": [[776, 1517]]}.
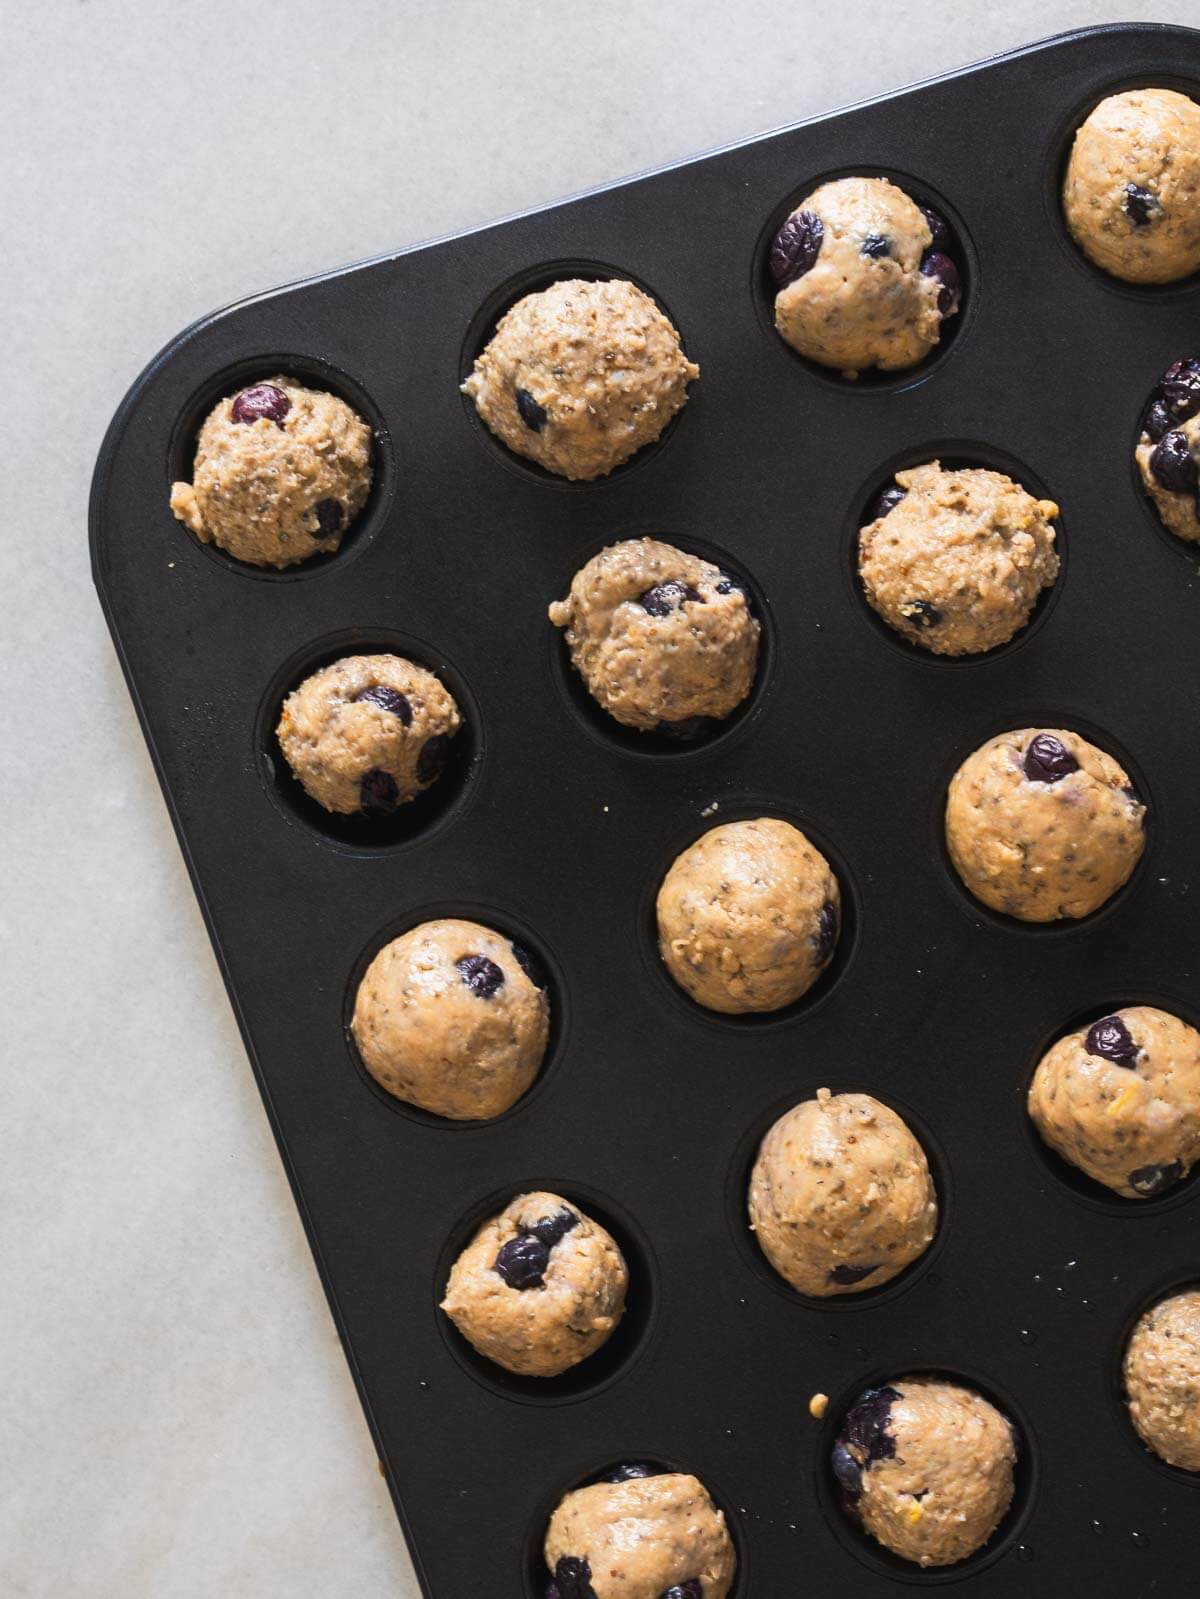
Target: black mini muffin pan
{"points": [[556, 830]]}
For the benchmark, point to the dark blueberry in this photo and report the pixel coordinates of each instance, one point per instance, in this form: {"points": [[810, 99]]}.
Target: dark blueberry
{"points": [[1173, 464], [574, 1578], [264, 399], [685, 1590], [689, 728], [1149, 1181], [388, 699], [331, 514], [1141, 206], [526, 962], [1109, 1038], [934, 264], [826, 934], [939, 232], [865, 1426], [664, 598], [631, 1470], [1180, 389], [1048, 760], [522, 1263], [921, 613], [551, 1229], [796, 248], [553, 1591], [533, 415], [1158, 421], [846, 1469], [876, 245], [482, 976], [730, 585], [1132, 795], [378, 794], [888, 501], [433, 756], [847, 1276]]}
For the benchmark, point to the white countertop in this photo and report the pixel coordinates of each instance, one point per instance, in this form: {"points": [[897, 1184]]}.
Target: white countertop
{"points": [[177, 1420]]}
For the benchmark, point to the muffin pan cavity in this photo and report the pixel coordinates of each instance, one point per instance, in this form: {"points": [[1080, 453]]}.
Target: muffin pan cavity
{"points": [[1164, 1287]]}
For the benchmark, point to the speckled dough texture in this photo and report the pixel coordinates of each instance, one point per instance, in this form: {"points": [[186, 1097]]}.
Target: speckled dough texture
{"points": [[338, 730], [958, 564], [1162, 1379], [692, 653], [748, 916], [430, 1039], [1148, 139], [840, 1196], [540, 1331], [642, 1537], [1043, 851], [580, 376], [1179, 510], [851, 310], [256, 486], [944, 1490], [1119, 1121]]}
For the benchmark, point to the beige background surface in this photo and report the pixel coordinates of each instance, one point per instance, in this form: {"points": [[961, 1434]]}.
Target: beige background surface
{"points": [[175, 1416]]}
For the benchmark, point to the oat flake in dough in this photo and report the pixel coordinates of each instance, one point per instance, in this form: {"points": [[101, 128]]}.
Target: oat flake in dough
{"points": [[1162, 1379], [640, 1538], [748, 916], [580, 376], [1120, 1099], [659, 636], [544, 1329], [841, 1198], [447, 1018], [957, 564], [1043, 848], [368, 733], [282, 485], [1132, 191]]}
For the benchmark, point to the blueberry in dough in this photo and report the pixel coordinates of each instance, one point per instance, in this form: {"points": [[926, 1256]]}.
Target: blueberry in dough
{"points": [[280, 473], [1121, 1100], [1040, 830], [1168, 451]]}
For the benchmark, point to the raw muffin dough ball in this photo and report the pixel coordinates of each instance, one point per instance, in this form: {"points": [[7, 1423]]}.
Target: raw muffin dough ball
{"points": [[840, 1197], [1042, 825], [368, 733], [928, 1466], [1121, 1100], [1168, 452], [640, 1537], [448, 1018], [539, 1288], [1162, 1379], [580, 376], [1132, 190], [955, 560], [659, 636], [864, 278], [748, 916], [281, 471]]}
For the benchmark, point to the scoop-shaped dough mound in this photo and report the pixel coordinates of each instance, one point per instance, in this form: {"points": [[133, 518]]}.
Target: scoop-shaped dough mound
{"points": [[1178, 508], [637, 1539], [1162, 1379], [1042, 825], [368, 733], [1131, 195], [1120, 1099], [659, 636], [280, 473], [864, 302], [448, 1018], [957, 564], [580, 376], [748, 916], [928, 1465], [841, 1198], [539, 1288]]}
